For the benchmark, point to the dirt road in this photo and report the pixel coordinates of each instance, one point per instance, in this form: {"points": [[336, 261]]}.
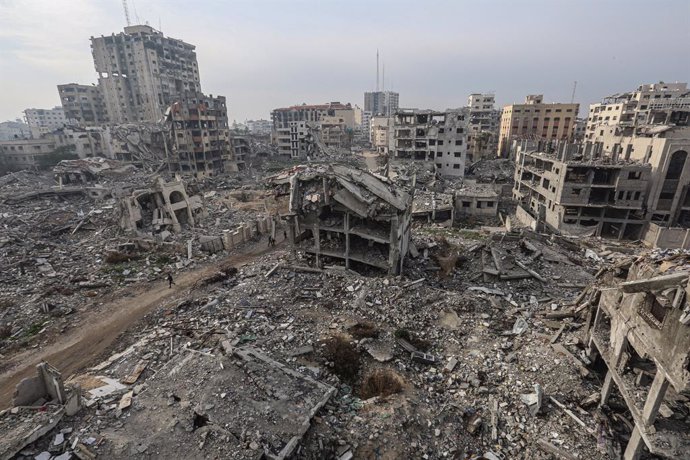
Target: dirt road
{"points": [[79, 346]]}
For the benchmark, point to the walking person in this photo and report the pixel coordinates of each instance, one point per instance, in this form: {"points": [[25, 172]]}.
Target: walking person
{"points": [[170, 281]]}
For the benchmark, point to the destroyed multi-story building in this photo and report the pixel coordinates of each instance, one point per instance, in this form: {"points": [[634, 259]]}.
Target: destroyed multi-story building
{"points": [[482, 132], [26, 153], [241, 149], [298, 128], [346, 215], [650, 104], [44, 121], [438, 138], [640, 329], [536, 120], [83, 104], [142, 72], [475, 199], [199, 136], [163, 206], [568, 191]]}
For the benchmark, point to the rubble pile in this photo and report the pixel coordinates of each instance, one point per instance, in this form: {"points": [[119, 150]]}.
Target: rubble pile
{"points": [[494, 368]]}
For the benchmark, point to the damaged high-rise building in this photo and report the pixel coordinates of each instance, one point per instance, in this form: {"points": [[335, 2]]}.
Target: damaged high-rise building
{"points": [[199, 136], [141, 72], [438, 138], [82, 104], [347, 215], [484, 120]]}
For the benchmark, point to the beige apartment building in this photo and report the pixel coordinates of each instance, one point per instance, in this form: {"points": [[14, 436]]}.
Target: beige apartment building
{"points": [[381, 133], [536, 120]]}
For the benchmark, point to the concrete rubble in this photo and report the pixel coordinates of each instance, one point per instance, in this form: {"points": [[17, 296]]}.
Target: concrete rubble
{"points": [[465, 341]]}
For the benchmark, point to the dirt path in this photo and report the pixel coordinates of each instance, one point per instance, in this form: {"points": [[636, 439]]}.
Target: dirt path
{"points": [[78, 347]]}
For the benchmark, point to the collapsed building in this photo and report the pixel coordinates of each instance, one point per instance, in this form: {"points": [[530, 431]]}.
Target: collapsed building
{"points": [[345, 214], [641, 331], [164, 206], [88, 170], [433, 206]]}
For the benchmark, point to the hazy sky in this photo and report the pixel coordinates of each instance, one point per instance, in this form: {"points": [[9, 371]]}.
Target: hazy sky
{"points": [[266, 54]]}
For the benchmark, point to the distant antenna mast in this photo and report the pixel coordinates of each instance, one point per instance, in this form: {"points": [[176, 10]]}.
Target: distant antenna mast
{"points": [[124, 6], [377, 70], [572, 98], [383, 78]]}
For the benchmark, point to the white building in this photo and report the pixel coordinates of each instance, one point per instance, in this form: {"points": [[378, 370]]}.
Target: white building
{"points": [[259, 126], [484, 123], [43, 121], [650, 104], [14, 130], [431, 136]]}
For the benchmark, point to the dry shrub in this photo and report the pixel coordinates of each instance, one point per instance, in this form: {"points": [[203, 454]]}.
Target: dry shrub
{"points": [[363, 330], [447, 263], [344, 357], [116, 257], [381, 382], [225, 273]]}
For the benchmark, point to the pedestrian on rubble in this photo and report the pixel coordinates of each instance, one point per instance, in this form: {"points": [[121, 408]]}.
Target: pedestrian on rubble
{"points": [[170, 281], [285, 234], [270, 241]]}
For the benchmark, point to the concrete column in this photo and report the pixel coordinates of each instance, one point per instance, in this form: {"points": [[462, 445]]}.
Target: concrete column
{"points": [[606, 388], [189, 249], [317, 244], [347, 239], [634, 448], [654, 398]]}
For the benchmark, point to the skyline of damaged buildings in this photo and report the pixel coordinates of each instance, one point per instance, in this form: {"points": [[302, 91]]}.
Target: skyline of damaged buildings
{"points": [[628, 178]]}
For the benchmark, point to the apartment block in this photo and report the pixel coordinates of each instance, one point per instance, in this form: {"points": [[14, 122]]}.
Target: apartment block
{"points": [[381, 102], [536, 120], [567, 191], [199, 135], [25, 153], [299, 129], [431, 136], [82, 104], [241, 150], [649, 104], [141, 72], [482, 133], [10, 130], [382, 129], [43, 121], [259, 126]]}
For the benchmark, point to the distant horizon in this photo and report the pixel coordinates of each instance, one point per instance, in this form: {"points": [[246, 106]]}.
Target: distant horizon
{"points": [[263, 55]]}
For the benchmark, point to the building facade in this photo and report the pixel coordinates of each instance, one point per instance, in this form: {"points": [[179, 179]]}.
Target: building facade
{"points": [[567, 191], [536, 120], [482, 135], [17, 129], [381, 102], [44, 121], [82, 104], [431, 136], [649, 104], [142, 72], [25, 153], [259, 126], [382, 130], [199, 136], [299, 129]]}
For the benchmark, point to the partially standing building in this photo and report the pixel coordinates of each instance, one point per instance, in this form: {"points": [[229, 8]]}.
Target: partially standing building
{"points": [[82, 104], [536, 120], [482, 132], [438, 138], [199, 138]]}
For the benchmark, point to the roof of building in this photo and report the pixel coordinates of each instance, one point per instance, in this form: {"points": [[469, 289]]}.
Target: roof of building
{"points": [[331, 105]]}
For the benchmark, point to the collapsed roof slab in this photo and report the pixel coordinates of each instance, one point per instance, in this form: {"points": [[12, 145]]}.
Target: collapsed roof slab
{"points": [[208, 403]]}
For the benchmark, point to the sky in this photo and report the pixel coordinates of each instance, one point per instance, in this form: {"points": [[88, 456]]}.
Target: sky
{"points": [[263, 54]]}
